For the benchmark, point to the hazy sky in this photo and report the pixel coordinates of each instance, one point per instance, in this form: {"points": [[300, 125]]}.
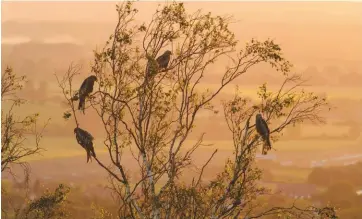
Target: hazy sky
{"points": [[309, 30], [101, 11]]}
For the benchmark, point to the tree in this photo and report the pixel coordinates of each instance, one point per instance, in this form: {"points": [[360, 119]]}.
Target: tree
{"points": [[100, 213], [14, 131], [153, 118], [48, 206]]}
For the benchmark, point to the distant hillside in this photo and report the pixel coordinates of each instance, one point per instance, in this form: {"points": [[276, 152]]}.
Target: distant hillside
{"points": [[83, 31], [37, 59], [41, 58]]}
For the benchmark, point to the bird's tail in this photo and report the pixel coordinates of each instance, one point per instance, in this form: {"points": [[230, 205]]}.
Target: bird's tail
{"points": [[81, 103], [266, 145], [88, 156], [93, 152]]}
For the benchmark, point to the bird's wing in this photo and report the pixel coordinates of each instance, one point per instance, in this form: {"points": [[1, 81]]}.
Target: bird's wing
{"points": [[265, 125], [159, 59], [258, 125], [167, 60], [80, 139], [89, 86], [83, 87], [89, 136], [164, 61], [86, 135], [77, 137]]}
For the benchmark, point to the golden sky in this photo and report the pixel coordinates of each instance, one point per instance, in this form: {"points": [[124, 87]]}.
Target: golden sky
{"points": [[329, 29], [100, 11]]}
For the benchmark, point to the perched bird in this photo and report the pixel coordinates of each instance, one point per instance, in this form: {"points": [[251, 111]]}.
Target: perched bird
{"points": [[263, 131], [85, 89], [154, 65], [85, 139], [164, 59]]}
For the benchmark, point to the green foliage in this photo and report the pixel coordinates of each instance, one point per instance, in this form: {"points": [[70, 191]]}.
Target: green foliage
{"points": [[67, 115], [270, 52], [292, 101], [11, 83], [50, 205], [287, 106], [101, 213]]}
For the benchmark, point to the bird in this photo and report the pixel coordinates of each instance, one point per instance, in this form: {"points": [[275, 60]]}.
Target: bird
{"points": [[164, 59], [153, 66], [85, 89], [263, 131], [85, 139]]}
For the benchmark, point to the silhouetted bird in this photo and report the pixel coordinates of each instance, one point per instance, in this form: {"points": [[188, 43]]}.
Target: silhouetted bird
{"points": [[85, 139], [164, 59], [263, 131], [153, 66], [85, 89]]}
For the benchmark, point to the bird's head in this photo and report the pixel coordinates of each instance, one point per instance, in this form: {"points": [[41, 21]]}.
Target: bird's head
{"points": [[259, 116], [168, 53], [75, 130], [93, 78]]}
